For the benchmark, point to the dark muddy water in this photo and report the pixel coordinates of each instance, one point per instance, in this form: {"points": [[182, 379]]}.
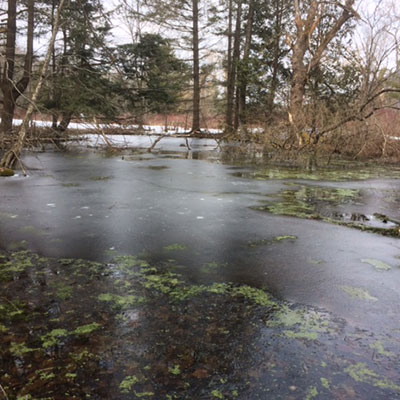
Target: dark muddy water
{"points": [[165, 277]]}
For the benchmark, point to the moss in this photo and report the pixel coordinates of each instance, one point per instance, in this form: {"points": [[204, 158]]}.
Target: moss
{"points": [[46, 376], [63, 292], [19, 349], [285, 237], [6, 171], [304, 323], [377, 264], [361, 373], [312, 392], [174, 247], [380, 349], [258, 296], [127, 384], [3, 328], [175, 370], [325, 383], [86, 329], [217, 394], [18, 262], [121, 301], [144, 394], [100, 178], [358, 293], [54, 337], [71, 375]]}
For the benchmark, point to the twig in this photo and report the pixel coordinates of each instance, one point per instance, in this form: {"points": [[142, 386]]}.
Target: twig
{"points": [[4, 392]]}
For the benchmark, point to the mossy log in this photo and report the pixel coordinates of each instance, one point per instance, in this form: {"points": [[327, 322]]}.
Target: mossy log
{"points": [[6, 172]]}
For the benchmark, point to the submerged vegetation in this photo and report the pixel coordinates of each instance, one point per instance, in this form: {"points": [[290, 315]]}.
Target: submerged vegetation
{"points": [[329, 204], [144, 328]]}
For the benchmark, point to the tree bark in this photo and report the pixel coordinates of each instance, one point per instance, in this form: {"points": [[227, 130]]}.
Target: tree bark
{"points": [[12, 155], [301, 69], [230, 101], [196, 68], [7, 112], [12, 90], [243, 78]]}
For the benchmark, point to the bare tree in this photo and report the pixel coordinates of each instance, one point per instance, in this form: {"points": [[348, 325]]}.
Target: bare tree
{"points": [[308, 16], [12, 155]]}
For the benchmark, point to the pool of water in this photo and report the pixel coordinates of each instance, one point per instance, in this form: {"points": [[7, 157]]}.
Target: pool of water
{"points": [[183, 275]]}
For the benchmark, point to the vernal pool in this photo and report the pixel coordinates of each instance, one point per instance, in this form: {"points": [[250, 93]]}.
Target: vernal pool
{"points": [[163, 276]]}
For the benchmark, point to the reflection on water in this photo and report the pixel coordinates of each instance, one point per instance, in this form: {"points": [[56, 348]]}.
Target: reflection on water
{"points": [[150, 276]]}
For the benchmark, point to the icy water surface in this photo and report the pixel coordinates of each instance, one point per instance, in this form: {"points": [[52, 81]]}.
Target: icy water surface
{"points": [[161, 277]]}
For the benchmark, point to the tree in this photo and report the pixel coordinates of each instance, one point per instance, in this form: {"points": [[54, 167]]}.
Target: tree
{"points": [[79, 85], [304, 60], [11, 87], [151, 77], [12, 155], [184, 21]]}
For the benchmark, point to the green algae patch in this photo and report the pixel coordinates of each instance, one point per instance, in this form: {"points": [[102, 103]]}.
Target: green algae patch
{"points": [[174, 247], [54, 338], [380, 349], [334, 174], [312, 393], [258, 296], [284, 237], [361, 373], [358, 293], [377, 264], [325, 383], [308, 201], [263, 242], [121, 301], [20, 349], [217, 394], [63, 291], [101, 178], [324, 203], [17, 263], [86, 329], [175, 370], [302, 323], [128, 383]]}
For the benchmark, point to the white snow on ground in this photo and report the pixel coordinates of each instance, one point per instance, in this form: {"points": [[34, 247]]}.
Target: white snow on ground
{"points": [[157, 129]]}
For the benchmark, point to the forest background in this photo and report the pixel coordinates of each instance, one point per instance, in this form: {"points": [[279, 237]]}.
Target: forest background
{"points": [[286, 74]]}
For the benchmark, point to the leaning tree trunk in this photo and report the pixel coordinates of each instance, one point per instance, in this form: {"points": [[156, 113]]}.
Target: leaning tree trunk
{"points": [[12, 155]]}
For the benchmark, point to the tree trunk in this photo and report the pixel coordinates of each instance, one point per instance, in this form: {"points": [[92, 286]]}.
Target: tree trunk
{"points": [[301, 69], [230, 101], [196, 68], [7, 112], [243, 78], [12, 90], [275, 61], [12, 155]]}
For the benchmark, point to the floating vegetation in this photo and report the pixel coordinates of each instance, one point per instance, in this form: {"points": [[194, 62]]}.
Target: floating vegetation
{"points": [[334, 174], [324, 203], [377, 264], [361, 373], [302, 323], [174, 247], [100, 178], [133, 327], [358, 293], [263, 242]]}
